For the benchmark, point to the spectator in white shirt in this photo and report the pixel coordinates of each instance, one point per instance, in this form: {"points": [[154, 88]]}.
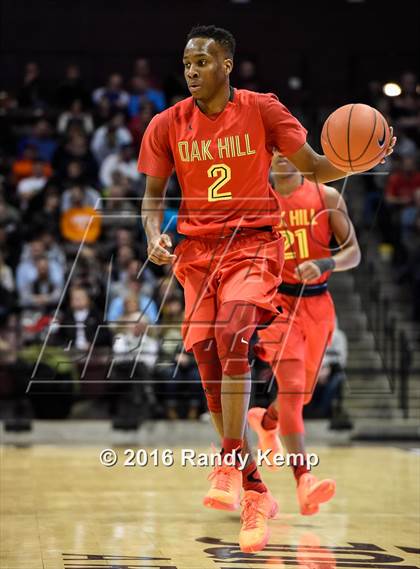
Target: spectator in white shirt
{"points": [[124, 161], [31, 186], [75, 115], [109, 138]]}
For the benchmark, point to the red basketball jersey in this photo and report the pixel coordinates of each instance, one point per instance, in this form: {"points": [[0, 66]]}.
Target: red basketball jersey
{"points": [[222, 161], [306, 229]]}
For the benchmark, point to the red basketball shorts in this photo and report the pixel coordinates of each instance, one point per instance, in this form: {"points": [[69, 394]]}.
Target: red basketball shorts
{"points": [[245, 266], [301, 332]]}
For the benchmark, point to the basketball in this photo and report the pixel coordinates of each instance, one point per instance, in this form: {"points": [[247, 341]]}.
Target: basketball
{"points": [[355, 138]]}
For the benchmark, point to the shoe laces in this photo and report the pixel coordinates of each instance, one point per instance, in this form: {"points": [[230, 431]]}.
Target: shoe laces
{"points": [[250, 512], [222, 476]]}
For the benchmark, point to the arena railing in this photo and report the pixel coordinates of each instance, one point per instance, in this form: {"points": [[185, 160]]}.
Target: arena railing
{"points": [[392, 343]]}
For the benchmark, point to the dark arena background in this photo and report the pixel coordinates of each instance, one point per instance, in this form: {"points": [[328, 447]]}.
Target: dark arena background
{"points": [[91, 353]]}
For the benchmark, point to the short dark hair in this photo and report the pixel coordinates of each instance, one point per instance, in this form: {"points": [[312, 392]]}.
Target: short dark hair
{"points": [[219, 35]]}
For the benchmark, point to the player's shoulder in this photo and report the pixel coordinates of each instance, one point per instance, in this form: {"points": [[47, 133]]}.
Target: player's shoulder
{"points": [[332, 196], [182, 108], [174, 112], [254, 97]]}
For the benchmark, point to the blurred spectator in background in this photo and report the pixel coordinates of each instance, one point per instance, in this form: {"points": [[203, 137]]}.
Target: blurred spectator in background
{"points": [[109, 138], [124, 161], [74, 174], [75, 149], [32, 95], [141, 93], [22, 166], [406, 107], [29, 187], [41, 139], [132, 341], [48, 214], [124, 237], [75, 115], [125, 254], [41, 292], [80, 219], [87, 273], [406, 147], [80, 196], [138, 124], [119, 210], [327, 394], [142, 69], [145, 303], [135, 270], [102, 113], [177, 372], [72, 88], [81, 324], [27, 271], [410, 234], [135, 354], [399, 193], [10, 233], [7, 292], [113, 92]]}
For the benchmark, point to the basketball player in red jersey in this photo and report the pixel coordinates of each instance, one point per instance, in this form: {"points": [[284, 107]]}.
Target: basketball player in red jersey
{"points": [[220, 141], [295, 342]]}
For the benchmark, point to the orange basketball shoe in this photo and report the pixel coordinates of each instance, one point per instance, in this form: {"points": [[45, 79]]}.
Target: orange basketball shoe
{"points": [[225, 489], [311, 492], [267, 439], [257, 509]]}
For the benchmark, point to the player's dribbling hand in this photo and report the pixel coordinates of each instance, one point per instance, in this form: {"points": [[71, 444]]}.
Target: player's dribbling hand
{"points": [[393, 141], [157, 250], [307, 271]]}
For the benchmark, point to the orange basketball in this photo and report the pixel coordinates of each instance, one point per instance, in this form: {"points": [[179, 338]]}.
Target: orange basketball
{"points": [[355, 138]]}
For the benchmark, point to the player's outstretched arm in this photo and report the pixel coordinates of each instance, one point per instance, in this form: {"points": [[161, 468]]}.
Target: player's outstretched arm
{"points": [[317, 168], [152, 215], [349, 254]]}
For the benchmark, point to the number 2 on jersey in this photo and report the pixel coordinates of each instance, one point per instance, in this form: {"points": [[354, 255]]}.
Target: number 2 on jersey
{"points": [[223, 174], [302, 242]]}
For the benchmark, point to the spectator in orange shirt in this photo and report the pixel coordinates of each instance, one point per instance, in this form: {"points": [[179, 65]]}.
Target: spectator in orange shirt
{"points": [[23, 167]]}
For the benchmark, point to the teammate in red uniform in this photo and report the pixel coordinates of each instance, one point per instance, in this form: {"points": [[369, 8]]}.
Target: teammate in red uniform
{"points": [[220, 141], [295, 342]]}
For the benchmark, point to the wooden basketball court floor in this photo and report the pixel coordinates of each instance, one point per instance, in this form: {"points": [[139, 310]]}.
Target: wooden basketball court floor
{"points": [[61, 509]]}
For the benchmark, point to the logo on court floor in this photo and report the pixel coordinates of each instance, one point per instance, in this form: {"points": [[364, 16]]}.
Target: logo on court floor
{"points": [[309, 553]]}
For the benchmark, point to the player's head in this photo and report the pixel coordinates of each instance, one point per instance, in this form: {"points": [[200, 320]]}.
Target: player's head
{"points": [[208, 60], [283, 172]]}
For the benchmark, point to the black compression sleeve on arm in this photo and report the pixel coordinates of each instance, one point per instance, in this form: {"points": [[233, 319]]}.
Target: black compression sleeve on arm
{"points": [[327, 264]]}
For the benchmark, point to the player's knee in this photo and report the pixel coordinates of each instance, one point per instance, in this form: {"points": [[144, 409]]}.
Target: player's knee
{"points": [[234, 327], [233, 348]]}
